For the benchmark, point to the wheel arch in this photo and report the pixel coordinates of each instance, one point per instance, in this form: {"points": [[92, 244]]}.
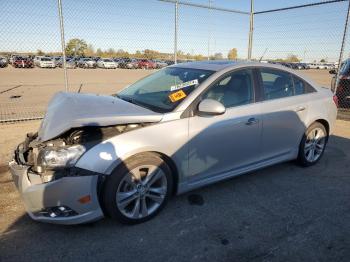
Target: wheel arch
{"points": [[167, 159], [325, 123]]}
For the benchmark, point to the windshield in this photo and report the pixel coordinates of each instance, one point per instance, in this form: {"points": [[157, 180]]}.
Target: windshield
{"points": [[107, 60], [46, 59], [165, 89]]}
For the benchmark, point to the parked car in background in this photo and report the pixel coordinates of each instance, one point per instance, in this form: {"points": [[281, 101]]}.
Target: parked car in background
{"points": [[107, 63], [146, 64], [70, 63], [12, 58], [127, 63], [56, 59], [22, 62], [170, 62], [45, 62], [181, 128], [160, 63], [87, 63], [343, 85], [3, 62]]}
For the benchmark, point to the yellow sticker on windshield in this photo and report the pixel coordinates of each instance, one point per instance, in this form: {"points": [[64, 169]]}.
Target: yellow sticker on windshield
{"points": [[177, 96]]}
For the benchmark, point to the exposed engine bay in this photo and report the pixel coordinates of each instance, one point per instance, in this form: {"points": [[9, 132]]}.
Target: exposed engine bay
{"points": [[32, 151]]}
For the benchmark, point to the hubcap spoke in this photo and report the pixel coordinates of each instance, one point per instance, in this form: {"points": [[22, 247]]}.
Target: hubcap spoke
{"points": [[136, 210], [144, 210], [125, 198], [155, 198], [153, 177], [158, 190]]}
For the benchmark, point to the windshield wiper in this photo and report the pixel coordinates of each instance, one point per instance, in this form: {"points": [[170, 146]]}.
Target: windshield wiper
{"points": [[131, 100]]}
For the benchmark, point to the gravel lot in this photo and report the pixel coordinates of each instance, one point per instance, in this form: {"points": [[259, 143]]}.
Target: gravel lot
{"points": [[281, 213]]}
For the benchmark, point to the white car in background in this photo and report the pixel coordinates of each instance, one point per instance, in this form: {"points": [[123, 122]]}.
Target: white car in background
{"points": [[45, 62], [107, 63]]}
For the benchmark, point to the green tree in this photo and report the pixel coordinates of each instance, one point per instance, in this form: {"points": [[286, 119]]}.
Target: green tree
{"points": [[99, 52], [292, 58], [76, 47], [217, 56], [40, 52], [323, 60], [198, 57], [232, 54], [90, 51]]}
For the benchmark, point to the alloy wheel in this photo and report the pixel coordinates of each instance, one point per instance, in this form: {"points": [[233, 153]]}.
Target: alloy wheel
{"points": [[141, 191], [314, 144]]}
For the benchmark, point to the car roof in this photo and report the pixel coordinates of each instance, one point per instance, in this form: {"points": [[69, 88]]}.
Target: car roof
{"points": [[213, 65], [219, 65], [227, 65]]}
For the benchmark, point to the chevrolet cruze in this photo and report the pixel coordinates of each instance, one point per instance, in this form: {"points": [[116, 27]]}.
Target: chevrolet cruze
{"points": [[178, 129]]}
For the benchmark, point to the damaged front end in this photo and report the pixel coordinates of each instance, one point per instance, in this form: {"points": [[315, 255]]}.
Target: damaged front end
{"points": [[52, 188]]}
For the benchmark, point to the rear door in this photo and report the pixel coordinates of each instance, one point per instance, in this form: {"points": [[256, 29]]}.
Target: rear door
{"points": [[284, 112]]}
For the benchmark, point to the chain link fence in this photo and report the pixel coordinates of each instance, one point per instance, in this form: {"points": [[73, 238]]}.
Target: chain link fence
{"points": [[141, 36]]}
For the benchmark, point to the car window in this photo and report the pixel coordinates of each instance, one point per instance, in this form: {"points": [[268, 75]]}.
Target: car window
{"points": [[276, 83], [234, 89], [301, 87], [345, 68], [165, 89]]}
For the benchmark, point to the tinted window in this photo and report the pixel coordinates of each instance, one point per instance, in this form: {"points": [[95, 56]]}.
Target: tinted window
{"points": [[345, 68], [301, 87], [276, 83], [233, 90]]}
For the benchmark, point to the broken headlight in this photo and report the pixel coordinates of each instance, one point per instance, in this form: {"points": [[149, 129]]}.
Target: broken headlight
{"points": [[53, 157]]}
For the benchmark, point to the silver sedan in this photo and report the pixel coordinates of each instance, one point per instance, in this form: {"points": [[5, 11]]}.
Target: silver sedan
{"points": [[181, 128]]}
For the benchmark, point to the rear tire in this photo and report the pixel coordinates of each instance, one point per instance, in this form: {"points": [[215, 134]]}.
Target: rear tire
{"points": [[312, 145], [138, 189]]}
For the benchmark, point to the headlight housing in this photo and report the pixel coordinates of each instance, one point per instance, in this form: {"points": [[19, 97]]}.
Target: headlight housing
{"points": [[53, 157]]}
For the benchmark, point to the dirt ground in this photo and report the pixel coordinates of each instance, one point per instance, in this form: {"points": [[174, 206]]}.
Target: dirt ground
{"points": [[24, 93], [280, 213]]}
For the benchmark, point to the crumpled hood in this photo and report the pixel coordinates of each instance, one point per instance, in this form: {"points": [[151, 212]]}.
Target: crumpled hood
{"points": [[68, 110]]}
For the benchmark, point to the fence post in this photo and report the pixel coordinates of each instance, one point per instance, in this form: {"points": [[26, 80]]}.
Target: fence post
{"points": [[63, 45], [209, 28], [342, 48], [176, 29], [251, 29]]}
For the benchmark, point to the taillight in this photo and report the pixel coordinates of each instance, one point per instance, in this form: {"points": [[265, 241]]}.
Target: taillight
{"points": [[344, 77], [336, 100]]}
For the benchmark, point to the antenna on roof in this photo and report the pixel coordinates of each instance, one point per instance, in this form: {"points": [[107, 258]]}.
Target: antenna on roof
{"points": [[263, 55]]}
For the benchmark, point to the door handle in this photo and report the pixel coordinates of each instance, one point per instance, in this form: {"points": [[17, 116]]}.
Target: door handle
{"points": [[300, 108], [252, 121]]}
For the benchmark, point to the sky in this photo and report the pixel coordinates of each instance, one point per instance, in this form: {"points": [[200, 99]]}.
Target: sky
{"points": [[310, 33]]}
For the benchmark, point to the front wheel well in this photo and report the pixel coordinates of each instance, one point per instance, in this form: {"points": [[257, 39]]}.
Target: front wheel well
{"points": [[164, 157]]}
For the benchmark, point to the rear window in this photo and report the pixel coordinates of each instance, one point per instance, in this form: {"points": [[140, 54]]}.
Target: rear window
{"points": [[301, 87], [276, 83]]}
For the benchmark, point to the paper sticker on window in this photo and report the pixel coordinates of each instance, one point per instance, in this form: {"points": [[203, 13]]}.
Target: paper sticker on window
{"points": [[184, 84], [177, 96]]}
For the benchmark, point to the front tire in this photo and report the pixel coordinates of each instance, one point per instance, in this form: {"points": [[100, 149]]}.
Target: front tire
{"points": [[312, 145], [138, 189]]}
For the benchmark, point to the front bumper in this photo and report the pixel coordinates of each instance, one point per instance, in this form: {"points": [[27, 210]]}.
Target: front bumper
{"points": [[66, 191]]}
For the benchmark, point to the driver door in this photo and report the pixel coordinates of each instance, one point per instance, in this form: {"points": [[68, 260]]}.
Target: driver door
{"points": [[222, 144]]}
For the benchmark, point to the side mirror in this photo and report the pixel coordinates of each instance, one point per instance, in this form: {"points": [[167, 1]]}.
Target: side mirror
{"points": [[211, 107], [333, 72]]}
